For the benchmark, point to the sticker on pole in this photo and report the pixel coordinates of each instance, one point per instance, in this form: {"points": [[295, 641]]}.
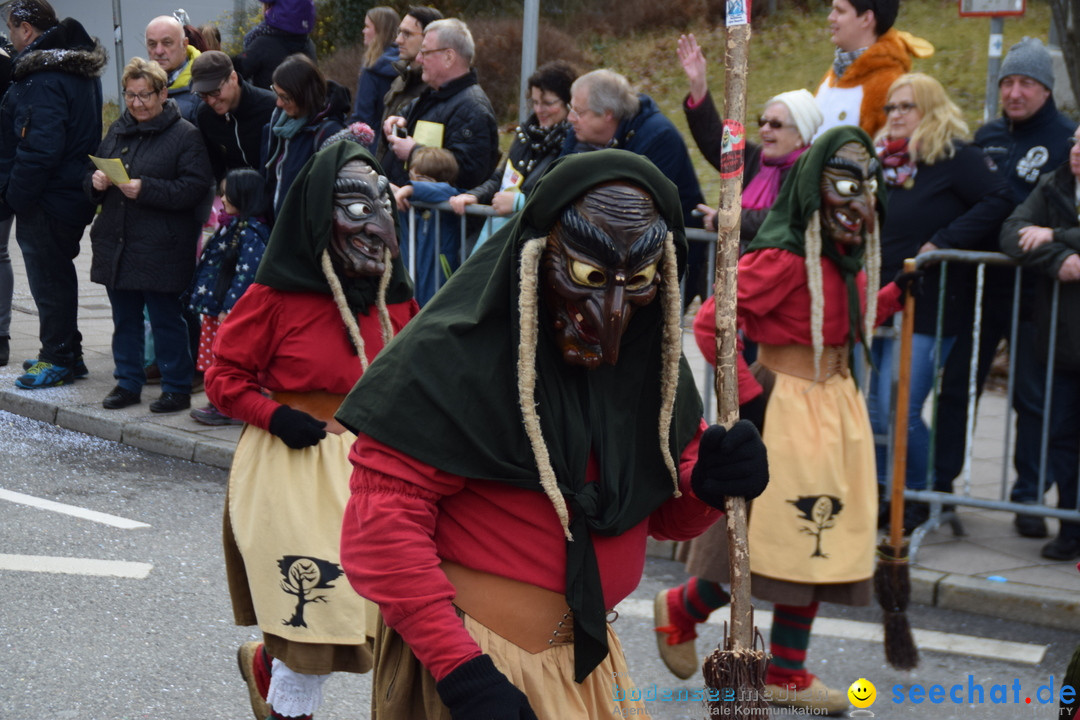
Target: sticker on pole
{"points": [[732, 146], [737, 12]]}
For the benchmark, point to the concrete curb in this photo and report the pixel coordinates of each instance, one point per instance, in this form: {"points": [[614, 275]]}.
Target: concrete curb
{"points": [[133, 426]]}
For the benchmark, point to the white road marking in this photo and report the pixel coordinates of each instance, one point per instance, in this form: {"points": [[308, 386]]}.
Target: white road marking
{"points": [[99, 517], [932, 640], [75, 566]]}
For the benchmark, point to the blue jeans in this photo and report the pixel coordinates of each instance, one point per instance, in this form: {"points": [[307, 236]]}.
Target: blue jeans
{"points": [[7, 279], [49, 248], [170, 333], [879, 401]]}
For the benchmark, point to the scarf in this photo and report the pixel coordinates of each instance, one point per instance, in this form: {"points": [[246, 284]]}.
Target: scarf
{"points": [[453, 369], [843, 59], [899, 170], [800, 197], [287, 127], [541, 141], [293, 257], [762, 190]]}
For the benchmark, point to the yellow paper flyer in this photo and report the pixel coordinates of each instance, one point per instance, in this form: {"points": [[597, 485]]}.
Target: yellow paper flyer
{"points": [[113, 167], [428, 133]]}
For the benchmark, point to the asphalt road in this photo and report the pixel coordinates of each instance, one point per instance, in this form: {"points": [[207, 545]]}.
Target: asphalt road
{"points": [[149, 633]]}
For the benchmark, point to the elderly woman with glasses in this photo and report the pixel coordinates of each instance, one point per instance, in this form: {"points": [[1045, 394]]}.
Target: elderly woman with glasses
{"points": [[942, 194], [144, 238]]}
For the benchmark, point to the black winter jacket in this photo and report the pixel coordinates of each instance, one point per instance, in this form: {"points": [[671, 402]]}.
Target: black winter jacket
{"points": [[1051, 204], [529, 160], [469, 129], [258, 63], [149, 243], [50, 120], [234, 139]]}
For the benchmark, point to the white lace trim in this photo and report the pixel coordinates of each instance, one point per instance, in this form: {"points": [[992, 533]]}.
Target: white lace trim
{"points": [[293, 694]]}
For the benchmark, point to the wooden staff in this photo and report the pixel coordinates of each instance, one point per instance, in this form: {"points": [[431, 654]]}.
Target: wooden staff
{"points": [[892, 577], [738, 666]]}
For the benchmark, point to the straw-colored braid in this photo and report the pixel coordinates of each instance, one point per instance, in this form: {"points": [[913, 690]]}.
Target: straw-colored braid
{"points": [[380, 300], [873, 283], [672, 352], [343, 308], [528, 304], [814, 285]]}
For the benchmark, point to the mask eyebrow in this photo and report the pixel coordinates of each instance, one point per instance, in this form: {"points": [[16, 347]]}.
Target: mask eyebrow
{"points": [[839, 163], [586, 237]]}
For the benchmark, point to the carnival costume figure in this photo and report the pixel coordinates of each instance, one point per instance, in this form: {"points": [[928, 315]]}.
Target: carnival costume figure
{"points": [[561, 428], [328, 296]]}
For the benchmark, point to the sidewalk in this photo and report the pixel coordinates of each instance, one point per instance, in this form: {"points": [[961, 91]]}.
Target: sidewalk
{"points": [[949, 572]]}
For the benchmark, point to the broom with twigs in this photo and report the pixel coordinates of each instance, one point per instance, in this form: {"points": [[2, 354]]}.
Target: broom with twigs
{"points": [[735, 671], [892, 578]]}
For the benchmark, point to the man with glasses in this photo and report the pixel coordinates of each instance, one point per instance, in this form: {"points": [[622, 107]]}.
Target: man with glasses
{"points": [[408, 85], [50, 120], [452, 112], [232, 115], [168, 47], [870, 55]]}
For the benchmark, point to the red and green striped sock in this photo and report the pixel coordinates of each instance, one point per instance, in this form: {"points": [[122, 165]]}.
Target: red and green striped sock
{"points": [[788, 642], [700, 597]]}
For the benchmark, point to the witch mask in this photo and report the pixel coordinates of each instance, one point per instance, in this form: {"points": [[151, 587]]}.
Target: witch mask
{"points": [[363, 226], [600, 264]]}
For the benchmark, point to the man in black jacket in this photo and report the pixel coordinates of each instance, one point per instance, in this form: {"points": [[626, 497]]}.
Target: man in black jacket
{"points": [[453, 112], [1042, 233], [50, 120], [232, 115], [1027, 141]]}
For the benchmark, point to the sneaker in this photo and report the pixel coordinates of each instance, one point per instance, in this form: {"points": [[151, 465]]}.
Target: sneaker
{"points": [[120, 397], [210, 415], [1061, 548], [674, 639], [1031, 526], [79, 370], [815, 696], [44, 375], [246, 657], [171, 402]]}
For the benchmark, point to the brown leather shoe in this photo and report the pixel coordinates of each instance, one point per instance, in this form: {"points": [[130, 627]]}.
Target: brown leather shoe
{"points": [[245, 657], [676, 645]]}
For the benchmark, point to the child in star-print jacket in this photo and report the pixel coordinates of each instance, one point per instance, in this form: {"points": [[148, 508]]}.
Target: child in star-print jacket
{"points": [[227, 266]]}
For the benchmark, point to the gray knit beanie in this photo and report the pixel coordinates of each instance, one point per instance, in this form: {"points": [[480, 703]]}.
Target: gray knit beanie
{"points": [[1030, 58]]}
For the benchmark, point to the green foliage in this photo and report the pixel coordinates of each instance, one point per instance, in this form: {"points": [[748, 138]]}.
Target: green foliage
{"points": [[340, 24]]}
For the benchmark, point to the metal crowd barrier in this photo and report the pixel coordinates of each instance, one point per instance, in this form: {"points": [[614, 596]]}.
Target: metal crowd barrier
{"points": [[942, 504], [466, 243]]}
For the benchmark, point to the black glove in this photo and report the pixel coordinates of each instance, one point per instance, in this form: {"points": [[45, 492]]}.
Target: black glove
{"points": [[296, 428], [906, 280], [754, 411], [475, 690], [731, 463]]}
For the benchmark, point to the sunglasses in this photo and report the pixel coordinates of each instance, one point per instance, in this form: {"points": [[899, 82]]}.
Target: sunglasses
{"points": [[774, 124]]}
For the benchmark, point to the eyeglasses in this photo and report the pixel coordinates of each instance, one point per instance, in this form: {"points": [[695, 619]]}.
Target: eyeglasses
{"points": [[428, 52], [903, 108], [143, 97], [283, 97], [774, 124], [212, 93], [579, 113]]}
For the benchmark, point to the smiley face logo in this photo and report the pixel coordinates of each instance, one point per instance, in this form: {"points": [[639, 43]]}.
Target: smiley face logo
{"points": [[862, 693]]}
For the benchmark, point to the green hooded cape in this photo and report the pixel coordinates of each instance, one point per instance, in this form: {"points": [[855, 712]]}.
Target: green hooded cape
{"points": [[445, 390], [293, 257], [800, 197]]}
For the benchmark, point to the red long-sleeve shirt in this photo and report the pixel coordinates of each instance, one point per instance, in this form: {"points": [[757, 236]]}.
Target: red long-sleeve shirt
{"points": [[404, 517]]}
